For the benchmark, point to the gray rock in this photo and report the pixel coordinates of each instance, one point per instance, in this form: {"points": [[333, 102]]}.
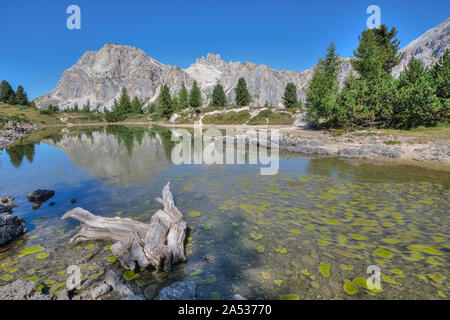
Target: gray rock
{"points": [[23, 290], [40, 196], [111, 287], [11, 227], [238, 297], [179, 291]]}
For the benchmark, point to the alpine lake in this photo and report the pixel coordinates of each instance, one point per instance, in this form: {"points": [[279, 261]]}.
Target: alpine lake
{"points": [[308, 232]]}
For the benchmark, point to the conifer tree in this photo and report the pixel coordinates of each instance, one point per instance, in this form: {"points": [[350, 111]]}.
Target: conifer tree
{"points": [[219, 98], [323, 88], [376, 54], [165, 102], [195, 97], [21, 96], [417, 103], [290, 96], [124, 102], [5, 91], [136, 105], [243, 97], [183, 99]]}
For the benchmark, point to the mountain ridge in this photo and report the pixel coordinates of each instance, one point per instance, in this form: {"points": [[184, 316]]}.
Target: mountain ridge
{"points": [[98, 76]]}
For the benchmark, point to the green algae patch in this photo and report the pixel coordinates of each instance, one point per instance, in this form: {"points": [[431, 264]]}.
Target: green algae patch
{"points": [[383, 253], [390, 240], [187, 186], [295, 231], [215, 296], [423, 248], [31, 250], [358, 237], [290, 297], [111, 259], [260, 249], [281, 250], [56, 287], [278, 281], [349, 287], [196, 273], [42, 255], [324, 269], [363, 283], [266, 275], [194, 213], [32, 279], [130, 275], [6, 277]]}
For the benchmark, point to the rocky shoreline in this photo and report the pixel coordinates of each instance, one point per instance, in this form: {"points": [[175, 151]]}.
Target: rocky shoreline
{"points": [[11, 131]]}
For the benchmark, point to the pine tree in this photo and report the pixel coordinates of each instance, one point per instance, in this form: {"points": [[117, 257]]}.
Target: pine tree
{"points": [[243, 97], [21, 96], [12, 99], [165, 102], [136, 106], [124, 102], [440, 73], [417, 103], [376, 54], [219, 98], [87, 107], [195, 98], [75, 107], [290, 96], [183, 99], [5, 91], [323, 88]]}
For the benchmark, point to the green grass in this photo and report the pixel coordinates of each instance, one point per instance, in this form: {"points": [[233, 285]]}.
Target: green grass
{"points": [[261, 117], [231, 117], [280, 118], [24, 114]]}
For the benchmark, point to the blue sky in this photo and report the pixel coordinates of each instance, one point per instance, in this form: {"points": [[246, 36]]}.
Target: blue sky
{"points": [[36, 46]]}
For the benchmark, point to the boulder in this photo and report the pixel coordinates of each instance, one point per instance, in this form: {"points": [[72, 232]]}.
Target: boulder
{"points": [[11, 227], [40, 196], [179, 291], [23, 290]]}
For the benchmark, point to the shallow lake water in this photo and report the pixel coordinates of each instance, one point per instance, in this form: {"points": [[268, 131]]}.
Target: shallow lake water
{"points": [[309, 232]]}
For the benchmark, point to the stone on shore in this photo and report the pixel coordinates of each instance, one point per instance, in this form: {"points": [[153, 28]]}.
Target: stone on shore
{"points": [[179, 291]]}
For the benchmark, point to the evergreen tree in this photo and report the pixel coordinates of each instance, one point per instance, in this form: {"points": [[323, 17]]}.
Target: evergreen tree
{"points": [[417, 104], [323, 88], [376, 54], [136, 106], [183, 99], [195, 98], [290, 96], [75, 107], [124, 102], [87, 107], [243, 97], [440, 73], [12, 99], [5, 91], [219, 98], [165, 102], [21, 96]]}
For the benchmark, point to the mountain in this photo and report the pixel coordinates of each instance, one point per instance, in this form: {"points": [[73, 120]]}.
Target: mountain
{"points": [[98, 76], [427, 48]]}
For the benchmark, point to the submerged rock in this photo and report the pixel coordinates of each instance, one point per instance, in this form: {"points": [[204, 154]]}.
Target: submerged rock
{"points": [[112, 287], [11, 226], [179, 291], [40, 195], [23, 290]]}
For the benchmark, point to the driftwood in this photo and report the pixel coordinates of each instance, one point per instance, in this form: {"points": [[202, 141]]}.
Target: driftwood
{"points": [[160, 243]]}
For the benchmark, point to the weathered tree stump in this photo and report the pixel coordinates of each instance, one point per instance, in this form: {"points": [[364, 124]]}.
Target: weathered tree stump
{"points": [[160, 243]]}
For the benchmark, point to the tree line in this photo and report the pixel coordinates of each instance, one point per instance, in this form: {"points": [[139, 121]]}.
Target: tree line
{"points": [[373, 97], [9, 96]]}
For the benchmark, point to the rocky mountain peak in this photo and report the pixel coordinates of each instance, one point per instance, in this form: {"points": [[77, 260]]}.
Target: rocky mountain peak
{"points": [[99, 76]]}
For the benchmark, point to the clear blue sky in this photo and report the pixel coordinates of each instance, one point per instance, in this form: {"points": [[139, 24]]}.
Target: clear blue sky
{"points": [[36, 47]]}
